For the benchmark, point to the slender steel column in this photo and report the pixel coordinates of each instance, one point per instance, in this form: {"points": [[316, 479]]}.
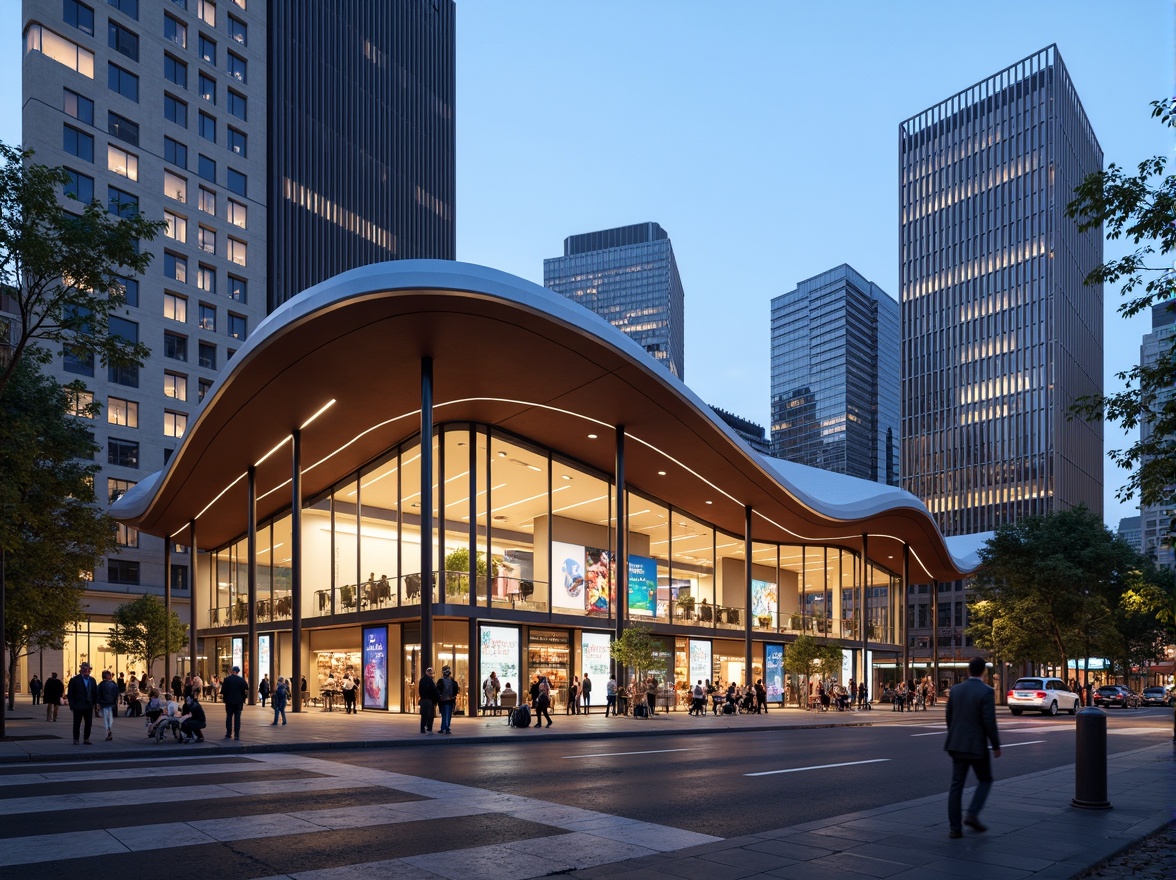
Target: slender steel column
{"points": [[747, 679], [935, 633], [296, 568], [863, 615], [622, 560], [426, 513], [904, 618], [251, 575], [167, 609], [473, 531], [192, 595]]}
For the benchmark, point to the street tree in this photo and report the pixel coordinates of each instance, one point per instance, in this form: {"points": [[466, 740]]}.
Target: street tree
{"points": [[51, 532], [64, 267], [635, 648], [1048, 587], [143, 630], [1140, 208], [806, 656]]}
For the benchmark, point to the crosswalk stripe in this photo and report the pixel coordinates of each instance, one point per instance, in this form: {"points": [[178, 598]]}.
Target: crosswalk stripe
{"points": [[103, 775]]}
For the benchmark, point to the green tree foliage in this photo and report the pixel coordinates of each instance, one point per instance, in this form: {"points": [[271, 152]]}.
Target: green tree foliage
{"points": [[50, 529], [143, 630], [60, 267], [635, 648], [807, 656], [1140, 207], [1059, 586]]}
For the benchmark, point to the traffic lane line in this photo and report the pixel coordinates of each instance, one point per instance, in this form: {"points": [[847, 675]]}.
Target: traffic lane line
{"points": [[1031, 742], [614, 754], [817, 767]]}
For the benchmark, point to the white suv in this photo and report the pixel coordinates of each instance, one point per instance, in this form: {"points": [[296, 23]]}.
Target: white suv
{"points": [[1044, 695]]}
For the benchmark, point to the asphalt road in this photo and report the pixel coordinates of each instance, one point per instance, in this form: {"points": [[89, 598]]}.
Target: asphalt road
{"points": [[708, 783]]}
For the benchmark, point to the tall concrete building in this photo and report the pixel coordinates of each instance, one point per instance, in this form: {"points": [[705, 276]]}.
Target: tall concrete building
{"points": [[835, 376], [1156, 519], [282, 143], [1000, 332], [1129, 530], [629, 277]]}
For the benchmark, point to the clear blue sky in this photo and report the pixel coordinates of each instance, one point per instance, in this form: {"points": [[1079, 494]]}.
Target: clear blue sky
{"points": [[762, 136]]}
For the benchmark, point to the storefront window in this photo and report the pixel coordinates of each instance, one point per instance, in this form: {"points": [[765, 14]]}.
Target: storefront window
{"points": [[766, 584], [649, 570], [345, 567], [316, 555], [454, 526], [548, 653], [581, 543], [410, 549], [379, 527], [519, 484], [452, 649], [264, 573], [692, 575], [281, 589]]}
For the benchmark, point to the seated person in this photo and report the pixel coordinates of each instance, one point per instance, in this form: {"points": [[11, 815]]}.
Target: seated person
{"points": [[508, 699], [192, 720], [168, 720], [154, 708]]}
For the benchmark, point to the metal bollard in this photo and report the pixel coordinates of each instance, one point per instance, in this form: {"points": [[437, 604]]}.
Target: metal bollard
{"points": [[1090, 766]]}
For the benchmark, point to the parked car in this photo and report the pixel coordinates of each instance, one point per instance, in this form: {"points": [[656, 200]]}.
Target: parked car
{"points": [[1116, 695], [1045, 695], [1158, 696]]}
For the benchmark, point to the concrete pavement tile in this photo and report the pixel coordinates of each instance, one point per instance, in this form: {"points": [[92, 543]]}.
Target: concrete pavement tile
{"points": [[254, 827], [960, 867], [856, 834], [391, 869], [581, 850], [831, 842], [81, 844], [497, 862], [812, 871], [145, 838], [751, 860], [903, 855], [868, 865], [699, 868], [792, 849], [783, 847]]}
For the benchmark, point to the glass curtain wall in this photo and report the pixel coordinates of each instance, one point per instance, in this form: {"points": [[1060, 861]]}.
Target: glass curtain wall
{"points": [[282, 574], [379, 535], [692, 571], [453, 497], [649, 561]]}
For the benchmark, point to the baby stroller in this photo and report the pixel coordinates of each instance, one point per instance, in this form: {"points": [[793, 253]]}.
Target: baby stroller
{"points": [[159, 725]]}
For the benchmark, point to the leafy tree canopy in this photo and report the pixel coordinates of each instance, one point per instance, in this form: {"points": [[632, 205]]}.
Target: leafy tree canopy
{"points": [[143, 630], [635, 648], [806, 656], [62, 266], [1139, 207], [51, 531]]}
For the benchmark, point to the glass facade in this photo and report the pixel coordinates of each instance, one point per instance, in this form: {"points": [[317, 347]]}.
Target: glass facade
{"points": [[835, 376], [629, 277], [523, 539], [1000, 333]]}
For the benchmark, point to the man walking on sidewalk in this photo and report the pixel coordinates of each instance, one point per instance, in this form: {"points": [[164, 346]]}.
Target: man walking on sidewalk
{"points": [[234, 693], [83, 697], [971, 726]]}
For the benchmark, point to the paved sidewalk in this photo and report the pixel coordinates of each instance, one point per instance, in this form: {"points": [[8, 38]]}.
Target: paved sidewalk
{"points": [[1034, 832]]}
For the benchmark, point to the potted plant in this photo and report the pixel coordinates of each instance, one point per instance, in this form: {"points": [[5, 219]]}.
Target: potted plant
{"points": [[686, 605], [795, 621], [764, 620]]}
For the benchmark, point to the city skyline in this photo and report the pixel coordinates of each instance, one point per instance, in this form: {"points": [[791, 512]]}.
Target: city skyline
{"points": [[763, 171]]}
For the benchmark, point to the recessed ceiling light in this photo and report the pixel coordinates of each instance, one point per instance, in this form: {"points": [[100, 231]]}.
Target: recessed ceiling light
{"points": [[591, 436], [710, 502], [501, 454], [661, 473], [567, 477], [500, 518], [418, 504]]}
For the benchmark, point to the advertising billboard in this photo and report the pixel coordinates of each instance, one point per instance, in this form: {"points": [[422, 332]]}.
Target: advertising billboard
{"points": [[774, 672], [594, 655], [375, 667], [598, 581], [263, 657], [701, 663], [238, 651], [642, 586], [567, 576], [763, 602], [498, 652]]}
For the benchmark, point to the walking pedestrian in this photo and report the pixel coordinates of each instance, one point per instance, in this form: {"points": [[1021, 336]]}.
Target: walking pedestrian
{"points": [[446, 698], [177, 687], [348, 687], [234, 693], [971, 726], [108, 702], [572, 706], [263, 689], [761, 697], [281, 697], [586, 693], [35, 688], [134, 708], [427, 701], [543, 702], [54, 691], [83, 697], [651, 695], [610, 696]]}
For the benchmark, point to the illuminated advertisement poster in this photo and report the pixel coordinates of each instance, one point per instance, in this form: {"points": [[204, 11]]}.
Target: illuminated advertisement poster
{"points": [[567, 576], [598, 581], [594, 654], [700, 661], [642, 586], [239, 654], [263, 656], [763, 602], [774, 672], [375, 667], [498, 652], [846, 665]]}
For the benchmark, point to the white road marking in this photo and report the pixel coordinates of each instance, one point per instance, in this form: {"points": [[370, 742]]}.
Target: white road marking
{"points": [[817, 767], [932, 733], [1031, 742], [1135, 731], [612, 754]]}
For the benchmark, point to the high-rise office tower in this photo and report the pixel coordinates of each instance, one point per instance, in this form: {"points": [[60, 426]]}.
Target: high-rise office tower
{"points": [[1156, 519], [1000, 332], [835, 380], [629, 277], [296, 139]]}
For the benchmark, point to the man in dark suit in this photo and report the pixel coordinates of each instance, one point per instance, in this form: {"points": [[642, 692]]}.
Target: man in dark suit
{"points": [[82, 694], [234, 693], [971, 726]]}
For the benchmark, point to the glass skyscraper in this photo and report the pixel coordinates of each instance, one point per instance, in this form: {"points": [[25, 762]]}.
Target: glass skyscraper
{"points": [[629, 277], [1000, 332], [835, 379], [1156, 519]]}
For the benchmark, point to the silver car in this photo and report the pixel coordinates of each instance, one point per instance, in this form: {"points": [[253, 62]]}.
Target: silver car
{"points": [[1045, 695]]}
